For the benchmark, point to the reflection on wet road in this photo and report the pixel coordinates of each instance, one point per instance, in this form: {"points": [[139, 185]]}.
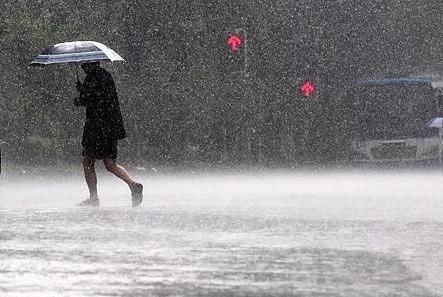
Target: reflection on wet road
{"points": [[298, 235]]}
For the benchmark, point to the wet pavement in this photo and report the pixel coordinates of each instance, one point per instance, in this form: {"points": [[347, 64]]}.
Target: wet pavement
{"points": [[298, 234]]}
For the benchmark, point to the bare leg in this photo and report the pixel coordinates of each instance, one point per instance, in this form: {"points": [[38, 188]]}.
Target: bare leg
{"points": [[119, 171], [135, 187], [90, 176]]}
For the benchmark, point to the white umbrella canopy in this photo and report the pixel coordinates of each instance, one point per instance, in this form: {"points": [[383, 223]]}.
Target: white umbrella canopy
{"points": [[76, 52], [436, 122]]}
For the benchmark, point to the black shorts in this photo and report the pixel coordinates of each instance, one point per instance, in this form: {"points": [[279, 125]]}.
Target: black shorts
{"points": [[100, 148]]}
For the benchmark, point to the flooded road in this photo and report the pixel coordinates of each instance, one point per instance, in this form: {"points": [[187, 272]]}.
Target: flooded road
{"points": [[298, 234]]}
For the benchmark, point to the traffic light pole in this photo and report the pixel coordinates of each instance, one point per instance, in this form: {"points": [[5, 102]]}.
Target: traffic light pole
{"points": [[245, 41]]}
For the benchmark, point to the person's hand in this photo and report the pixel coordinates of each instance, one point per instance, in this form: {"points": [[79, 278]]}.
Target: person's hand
{"points": [[77, 101]]}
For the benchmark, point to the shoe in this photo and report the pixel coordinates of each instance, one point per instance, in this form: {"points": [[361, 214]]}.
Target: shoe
{"points": [[137, 194], [90, 202]]}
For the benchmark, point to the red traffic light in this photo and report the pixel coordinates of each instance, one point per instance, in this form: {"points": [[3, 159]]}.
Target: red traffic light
{"points": [[234, 42], [307, 88]]}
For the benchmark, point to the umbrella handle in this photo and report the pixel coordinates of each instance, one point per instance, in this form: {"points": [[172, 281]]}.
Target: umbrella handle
{"points": [[78, 83]]}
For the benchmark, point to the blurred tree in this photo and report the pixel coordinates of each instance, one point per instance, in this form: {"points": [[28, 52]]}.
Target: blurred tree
{"points": [[178, 106]]}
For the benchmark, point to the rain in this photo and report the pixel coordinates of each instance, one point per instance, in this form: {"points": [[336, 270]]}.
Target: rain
{"points": [[285, 148]]}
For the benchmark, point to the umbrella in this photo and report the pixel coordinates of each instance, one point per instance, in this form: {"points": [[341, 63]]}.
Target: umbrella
{"points": [[76, 52], [437, 122]]}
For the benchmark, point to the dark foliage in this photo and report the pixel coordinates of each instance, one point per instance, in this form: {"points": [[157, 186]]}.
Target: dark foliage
{"points": [[182, 106]]}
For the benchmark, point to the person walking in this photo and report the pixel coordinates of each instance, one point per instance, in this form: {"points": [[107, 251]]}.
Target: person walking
{"points": [[102, 130]]}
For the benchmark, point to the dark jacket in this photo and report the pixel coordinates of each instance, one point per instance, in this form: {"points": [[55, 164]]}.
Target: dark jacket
{"points": [[103, 116]]}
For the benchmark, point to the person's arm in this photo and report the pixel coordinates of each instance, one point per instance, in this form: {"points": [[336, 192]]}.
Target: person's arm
{"points": [[90, 91]]}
